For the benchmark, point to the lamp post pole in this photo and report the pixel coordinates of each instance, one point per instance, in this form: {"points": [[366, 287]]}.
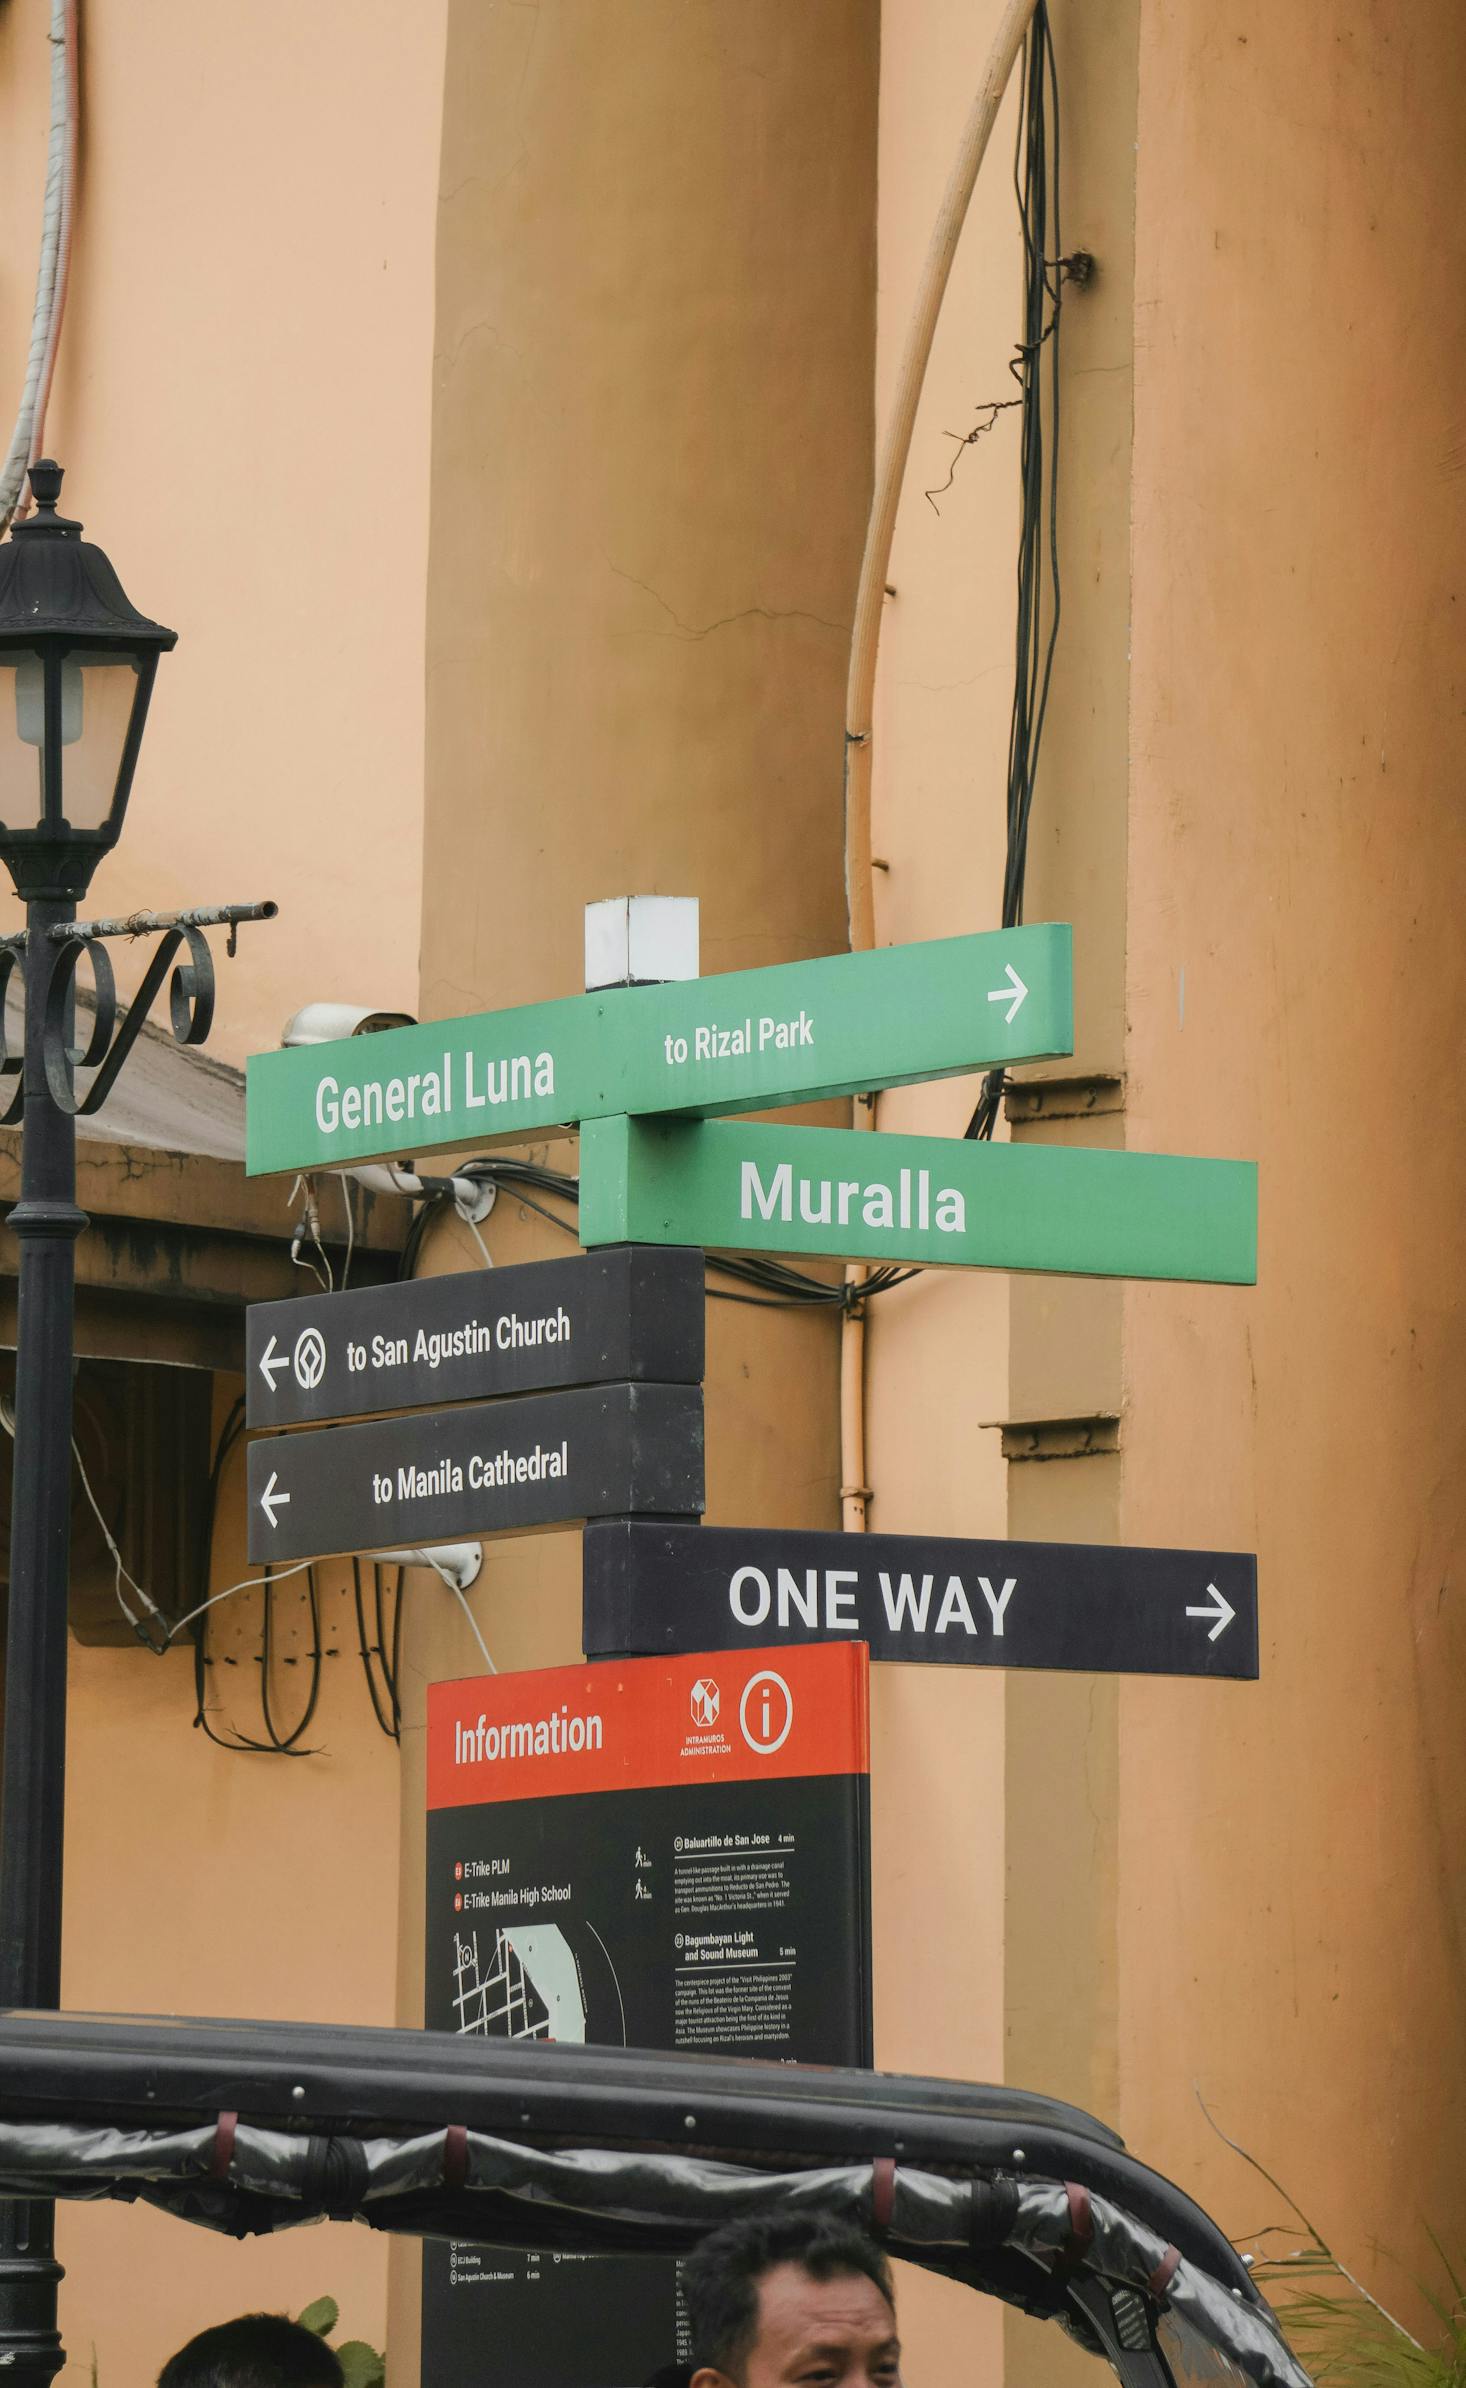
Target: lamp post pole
{"points": [[76, 672], [46, 1223]]}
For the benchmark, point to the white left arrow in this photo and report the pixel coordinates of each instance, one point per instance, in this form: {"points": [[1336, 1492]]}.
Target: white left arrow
{"points": [[270, 1500], [1014, 994], [270, 1367], [1221, 1610]]}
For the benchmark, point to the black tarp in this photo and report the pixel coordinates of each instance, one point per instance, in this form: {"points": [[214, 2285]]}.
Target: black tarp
{"points": [[248, 2127]]}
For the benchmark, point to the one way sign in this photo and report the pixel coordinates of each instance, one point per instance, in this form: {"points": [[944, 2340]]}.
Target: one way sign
{"points": [[1096, 1608]]}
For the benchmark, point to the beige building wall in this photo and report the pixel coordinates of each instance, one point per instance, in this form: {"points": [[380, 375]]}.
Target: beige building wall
{"points": [[243, 405], [1243, 1895], [643, 458], [1294, 1886]]}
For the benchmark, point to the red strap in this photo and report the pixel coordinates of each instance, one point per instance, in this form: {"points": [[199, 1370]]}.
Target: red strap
{"points": [[1081, 2231], [455, 2156], [225, 2131], [1164, 2273], [882, 2191]]}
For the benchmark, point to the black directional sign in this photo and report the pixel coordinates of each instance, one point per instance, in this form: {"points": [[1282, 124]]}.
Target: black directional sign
{"points": [[496, 1467], [632, 1314], [653, 1587]]}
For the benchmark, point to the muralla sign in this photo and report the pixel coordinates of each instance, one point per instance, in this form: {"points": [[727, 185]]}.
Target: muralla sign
{"points": [[749, 1039], [933, 1201]]}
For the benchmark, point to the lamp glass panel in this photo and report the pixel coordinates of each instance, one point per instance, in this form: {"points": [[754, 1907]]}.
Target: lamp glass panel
{"points": [[97, 693], [22, 733]]}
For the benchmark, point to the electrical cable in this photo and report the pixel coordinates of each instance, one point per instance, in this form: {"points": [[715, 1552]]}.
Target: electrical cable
{"points": [[229, 1435], [390, 1669], [875, 562], [287, 1747], [1036, 184], [70, 67], [778, 1286], [51, 272], [246, 1583], [462, 1599], [348, 1204], [397, 1648], [366, 1648], [123, 1573]]}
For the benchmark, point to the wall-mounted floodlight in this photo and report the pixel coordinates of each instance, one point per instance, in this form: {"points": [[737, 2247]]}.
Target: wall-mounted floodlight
{"points": [[324, 1024]]}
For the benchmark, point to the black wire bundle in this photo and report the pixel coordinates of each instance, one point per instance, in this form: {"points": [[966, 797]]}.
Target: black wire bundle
{"points": [[229, 1435], [386, 1707], [278, 1744], [779, 1287], [1036, 182]]}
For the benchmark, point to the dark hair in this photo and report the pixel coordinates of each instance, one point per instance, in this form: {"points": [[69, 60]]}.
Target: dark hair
{"points": [[260, 2350], [720, 2279]]}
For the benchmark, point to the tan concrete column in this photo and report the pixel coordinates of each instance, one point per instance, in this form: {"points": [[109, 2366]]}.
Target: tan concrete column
{"points": [[651, 469]]}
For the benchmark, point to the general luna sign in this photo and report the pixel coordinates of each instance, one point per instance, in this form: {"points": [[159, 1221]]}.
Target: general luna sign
{"points": [[743, 1041]]}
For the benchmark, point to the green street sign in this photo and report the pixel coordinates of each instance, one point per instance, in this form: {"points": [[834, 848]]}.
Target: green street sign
{"points": [[745, 1041], [933, 1200]]}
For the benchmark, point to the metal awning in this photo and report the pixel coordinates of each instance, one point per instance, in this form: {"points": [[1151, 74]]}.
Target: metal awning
{"points": [[250, 2127]]}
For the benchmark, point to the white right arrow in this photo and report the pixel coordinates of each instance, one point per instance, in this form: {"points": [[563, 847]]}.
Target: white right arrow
{"points": [[270, 1500], [1221, 1609], [1013, 995], [269, 1366]]}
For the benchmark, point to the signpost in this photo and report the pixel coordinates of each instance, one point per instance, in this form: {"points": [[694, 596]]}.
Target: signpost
{"points": [[664, 1854], [499, 1467], [934, 1201], [655, 1587], [745, 1041], [633, 1315]]}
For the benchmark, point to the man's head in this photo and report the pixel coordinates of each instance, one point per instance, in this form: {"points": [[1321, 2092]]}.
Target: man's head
{"points": [[260, 2350], [791, 2301]]}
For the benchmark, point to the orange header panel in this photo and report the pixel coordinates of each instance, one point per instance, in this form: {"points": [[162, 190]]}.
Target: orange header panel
{"points": [[631, 1724]]}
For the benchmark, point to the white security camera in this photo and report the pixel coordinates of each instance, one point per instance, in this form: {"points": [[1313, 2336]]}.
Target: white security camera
{"points": [[323, 1023]]}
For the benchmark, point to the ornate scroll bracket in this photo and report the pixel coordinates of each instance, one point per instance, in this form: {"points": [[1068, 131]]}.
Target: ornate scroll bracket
{"points": [[114, 1028]]}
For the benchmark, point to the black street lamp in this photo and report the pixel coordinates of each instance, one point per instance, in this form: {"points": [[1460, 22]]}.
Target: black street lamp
{"points": [[76, 673]]}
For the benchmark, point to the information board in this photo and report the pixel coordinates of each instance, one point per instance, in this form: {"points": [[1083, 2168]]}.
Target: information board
{"points": [[652, 1853]]}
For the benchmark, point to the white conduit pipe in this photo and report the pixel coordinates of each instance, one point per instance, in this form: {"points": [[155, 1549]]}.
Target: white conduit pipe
{"points": [[70, 53], [56, 217], [865, 645]]}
